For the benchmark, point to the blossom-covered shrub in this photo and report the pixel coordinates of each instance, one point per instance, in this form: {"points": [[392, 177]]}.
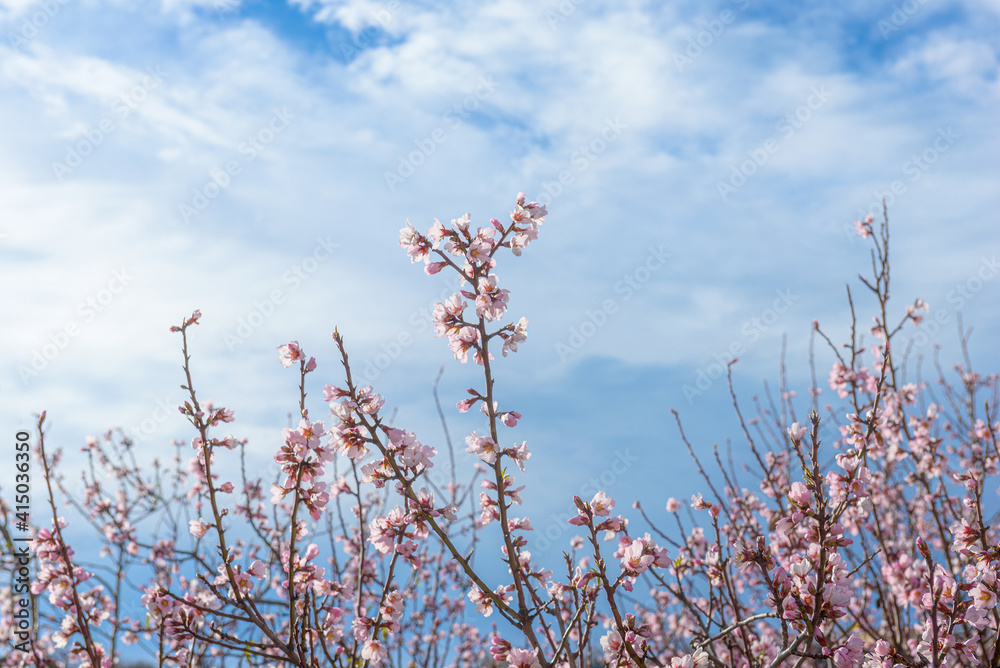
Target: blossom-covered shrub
{"points": [[871, 549]]}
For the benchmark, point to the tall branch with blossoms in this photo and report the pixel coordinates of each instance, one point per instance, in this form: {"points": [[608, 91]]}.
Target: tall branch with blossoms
{"points": [[538, 606], [471, 255], [62, 579]]}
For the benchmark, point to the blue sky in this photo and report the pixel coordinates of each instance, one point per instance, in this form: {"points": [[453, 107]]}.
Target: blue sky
{"points": [[256, 160]]}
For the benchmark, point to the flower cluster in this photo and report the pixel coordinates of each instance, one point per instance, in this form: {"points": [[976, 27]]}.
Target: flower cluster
{"points": [[302, 459], [472, 256]]}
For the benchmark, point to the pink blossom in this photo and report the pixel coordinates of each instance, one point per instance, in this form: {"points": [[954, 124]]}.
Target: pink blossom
{"points": [[518, 334], [289, 353], [491, 301], [374, 651], [984, 593], [479, 250], [482, 446], [611, 643], [198, 527], [699, 503], [437, 232], [800, 495], [499, 649], [864, 227], [483, 603], [850, 653], [417, 246], [519, 454], [462, 224], [797, 432], [634, 560], [602, 504], [522, 658], [510, 418], [913, 311], [699, 658], [462, 341]]}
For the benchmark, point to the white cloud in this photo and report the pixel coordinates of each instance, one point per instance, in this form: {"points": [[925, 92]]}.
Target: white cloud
{"points": [[966, 66], [655, 183]]}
